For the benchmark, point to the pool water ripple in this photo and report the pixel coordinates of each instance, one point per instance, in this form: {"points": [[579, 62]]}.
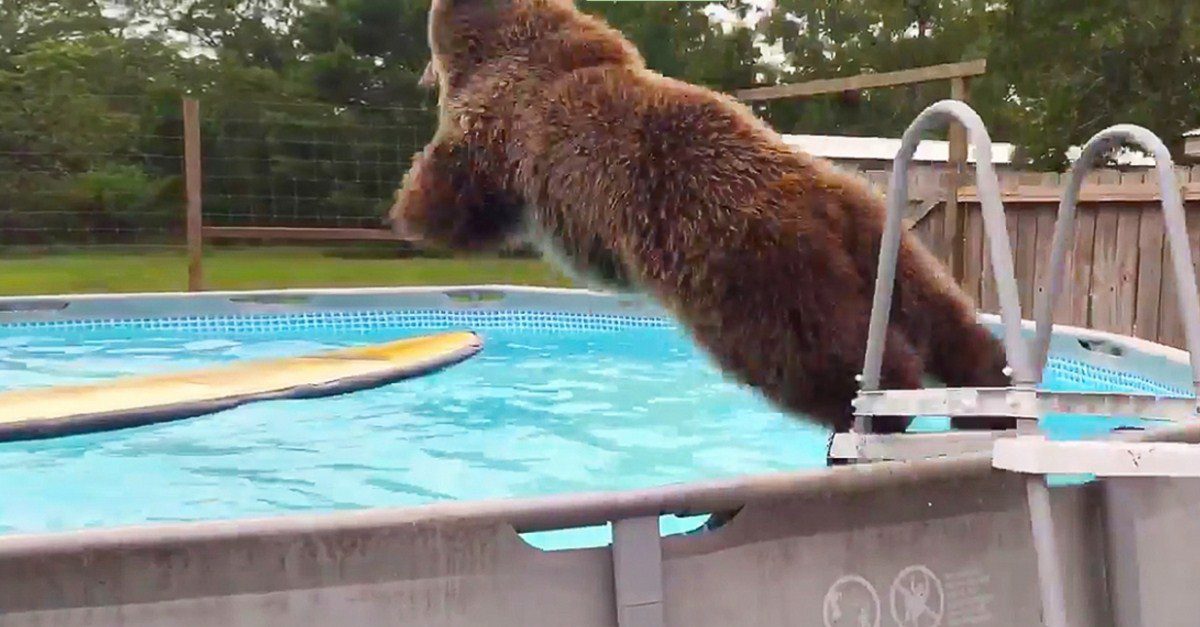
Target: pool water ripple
{"points": [[533, 414]]}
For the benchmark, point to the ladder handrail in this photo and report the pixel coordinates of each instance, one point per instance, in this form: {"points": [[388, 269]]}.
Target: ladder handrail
{"points": [[1176, 230], [1016, 348]]}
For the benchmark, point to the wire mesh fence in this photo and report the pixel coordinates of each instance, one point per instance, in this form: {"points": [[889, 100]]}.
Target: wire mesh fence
{"points": [[305, 165], [109, 170], [91, 170]]}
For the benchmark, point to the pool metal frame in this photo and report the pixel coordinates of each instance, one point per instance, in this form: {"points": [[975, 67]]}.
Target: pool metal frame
{"points": [[943, 532]]}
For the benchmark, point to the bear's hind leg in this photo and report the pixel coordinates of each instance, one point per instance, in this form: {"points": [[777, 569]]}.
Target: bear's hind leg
{"points": [[901, 370], [942, 321], [963, 353]]}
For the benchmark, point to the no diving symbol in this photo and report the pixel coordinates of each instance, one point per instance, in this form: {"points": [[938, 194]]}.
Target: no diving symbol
{"points": [[917, 598], [851, 602]]}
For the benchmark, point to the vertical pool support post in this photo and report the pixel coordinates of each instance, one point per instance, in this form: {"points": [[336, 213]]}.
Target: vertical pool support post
{"points": [[638, 572]]}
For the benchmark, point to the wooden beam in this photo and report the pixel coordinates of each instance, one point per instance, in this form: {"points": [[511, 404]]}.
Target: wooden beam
{"points": [[301, 233], [954, 225], [192, 179], [873, 80], [1089, 193]]}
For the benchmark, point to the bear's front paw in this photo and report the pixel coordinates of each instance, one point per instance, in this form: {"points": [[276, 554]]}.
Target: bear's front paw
{"points": [[403, 226], [409, 214]]}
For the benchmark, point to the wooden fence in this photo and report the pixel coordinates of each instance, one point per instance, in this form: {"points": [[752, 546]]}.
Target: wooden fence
{"points": [[1118, 271]]}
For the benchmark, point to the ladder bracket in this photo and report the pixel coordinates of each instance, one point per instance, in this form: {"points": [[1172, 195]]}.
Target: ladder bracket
{"points": [[910, 446], [1105, 458], [1022, 403]]}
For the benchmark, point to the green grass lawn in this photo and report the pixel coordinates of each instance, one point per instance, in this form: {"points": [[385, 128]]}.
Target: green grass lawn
{"points": [[266, 268]]}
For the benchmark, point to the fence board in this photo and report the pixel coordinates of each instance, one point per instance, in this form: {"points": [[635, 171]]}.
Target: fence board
{"points": [[1193, 222], [1149, 275], [879, 179], [989, 296], [1045, 217], [973, 253], [1092, 192], [1079, 281], [1128, 233], [1025, 260], [1170, 328], [1105, 273]]}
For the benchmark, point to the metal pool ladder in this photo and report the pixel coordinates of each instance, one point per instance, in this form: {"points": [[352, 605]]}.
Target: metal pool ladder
{"points": [[1124, 464]]}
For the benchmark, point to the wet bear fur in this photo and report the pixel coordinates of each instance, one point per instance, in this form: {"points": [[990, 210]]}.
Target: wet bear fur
{"points": [[550, 125]]}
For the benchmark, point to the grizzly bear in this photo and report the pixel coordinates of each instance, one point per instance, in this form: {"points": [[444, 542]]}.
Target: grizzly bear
{"points": [[551, 124]]}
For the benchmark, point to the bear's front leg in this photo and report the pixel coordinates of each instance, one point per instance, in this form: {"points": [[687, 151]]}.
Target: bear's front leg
{"points": [[447, 199]]}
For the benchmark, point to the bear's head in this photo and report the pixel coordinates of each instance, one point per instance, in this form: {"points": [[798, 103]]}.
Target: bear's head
{"points": [[548, 37], [485, 54]]}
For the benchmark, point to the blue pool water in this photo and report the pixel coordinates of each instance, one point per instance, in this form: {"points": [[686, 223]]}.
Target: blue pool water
{"points": [[537, 412]]}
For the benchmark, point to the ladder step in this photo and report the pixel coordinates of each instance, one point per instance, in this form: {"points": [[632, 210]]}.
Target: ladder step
{"points": [[1022, 403], [910, 446]]}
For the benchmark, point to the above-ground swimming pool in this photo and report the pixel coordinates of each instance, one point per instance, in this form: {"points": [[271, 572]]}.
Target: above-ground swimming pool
{"points": [[587, 405], [559, 401]]}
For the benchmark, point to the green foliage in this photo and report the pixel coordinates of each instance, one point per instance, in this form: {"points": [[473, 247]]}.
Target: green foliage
{"points": [[678, 39], [311, 109], [828, 38], [1057, 71], [1077, 67], [367, 51], [120, 198]]}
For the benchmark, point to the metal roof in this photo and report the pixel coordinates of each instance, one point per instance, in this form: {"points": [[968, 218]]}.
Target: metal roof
{"points": [[846, 147], [884, 148]]}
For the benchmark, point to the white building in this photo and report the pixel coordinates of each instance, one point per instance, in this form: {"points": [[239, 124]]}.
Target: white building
{"points": [[1191, 144]]}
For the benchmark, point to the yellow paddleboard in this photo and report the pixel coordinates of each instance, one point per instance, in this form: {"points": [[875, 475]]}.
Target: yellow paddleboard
{"points": [[128, 402]]}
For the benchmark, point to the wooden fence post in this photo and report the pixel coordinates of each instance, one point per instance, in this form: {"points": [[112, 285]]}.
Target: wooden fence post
{"points": [[191, 167], [951, 238], [954, 225]]}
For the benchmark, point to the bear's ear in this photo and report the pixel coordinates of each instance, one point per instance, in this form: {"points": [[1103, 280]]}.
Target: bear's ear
{"points": [[458, 5]]}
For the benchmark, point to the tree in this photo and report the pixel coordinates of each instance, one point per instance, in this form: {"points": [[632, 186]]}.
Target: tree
{"points": [[678, 39], [80, 103], [828, 38], [1076, 68], [1057, 71]]}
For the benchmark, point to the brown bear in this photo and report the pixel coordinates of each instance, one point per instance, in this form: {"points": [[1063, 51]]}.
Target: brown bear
{"points": [[550, 124]]}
